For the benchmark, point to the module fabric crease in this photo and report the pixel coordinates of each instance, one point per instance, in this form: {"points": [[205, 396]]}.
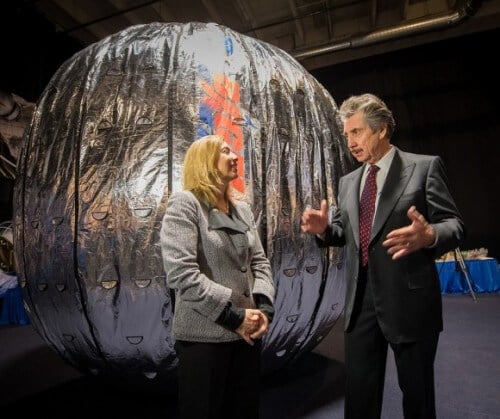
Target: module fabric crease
{"points": [[104, 151]]}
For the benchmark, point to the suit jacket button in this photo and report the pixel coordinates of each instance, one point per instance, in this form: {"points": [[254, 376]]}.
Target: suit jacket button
{"points": [[246, 293], [243, 269]]}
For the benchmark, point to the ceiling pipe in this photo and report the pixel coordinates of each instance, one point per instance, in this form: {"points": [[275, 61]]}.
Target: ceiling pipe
{"points": [[394, 32]]}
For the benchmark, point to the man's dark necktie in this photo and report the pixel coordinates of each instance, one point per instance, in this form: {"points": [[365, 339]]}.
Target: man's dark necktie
{"points": [[366, 211]]}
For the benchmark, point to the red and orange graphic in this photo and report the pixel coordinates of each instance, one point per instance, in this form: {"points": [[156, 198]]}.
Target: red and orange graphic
{"points": [[223, 99]]}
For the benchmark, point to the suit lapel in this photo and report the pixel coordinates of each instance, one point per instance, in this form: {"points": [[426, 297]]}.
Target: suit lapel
{"points": [[217, 220], [397, 178], [352, 201], [235, 229]]}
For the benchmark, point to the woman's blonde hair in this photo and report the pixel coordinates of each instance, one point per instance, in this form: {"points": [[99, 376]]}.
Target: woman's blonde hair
{"points": [[200, 174]]}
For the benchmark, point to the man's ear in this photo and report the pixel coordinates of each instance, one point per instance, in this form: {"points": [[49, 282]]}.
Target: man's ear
{"points": [[383, 132]]}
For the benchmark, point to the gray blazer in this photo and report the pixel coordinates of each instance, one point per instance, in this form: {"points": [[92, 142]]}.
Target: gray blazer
{"points": [[209, 260], [406, 292]]}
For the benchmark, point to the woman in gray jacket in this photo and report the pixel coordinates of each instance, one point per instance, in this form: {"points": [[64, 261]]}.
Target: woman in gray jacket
{"points": [[224, 292]]}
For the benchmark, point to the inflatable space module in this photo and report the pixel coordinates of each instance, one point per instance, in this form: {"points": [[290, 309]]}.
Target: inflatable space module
{"points": [[104, 151]]}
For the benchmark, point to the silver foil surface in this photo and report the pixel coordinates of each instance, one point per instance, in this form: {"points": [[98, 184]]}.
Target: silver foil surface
{"points": [[104, 150]]}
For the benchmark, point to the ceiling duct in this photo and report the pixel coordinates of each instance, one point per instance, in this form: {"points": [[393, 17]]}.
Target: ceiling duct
{"points": [[467, 9]]}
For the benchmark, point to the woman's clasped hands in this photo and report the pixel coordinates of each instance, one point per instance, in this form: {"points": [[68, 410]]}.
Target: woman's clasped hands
{"points": [[254, 326]]}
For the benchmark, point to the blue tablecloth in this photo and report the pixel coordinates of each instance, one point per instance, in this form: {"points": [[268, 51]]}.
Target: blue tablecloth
{"points": [[12, 308], [484, 275]]}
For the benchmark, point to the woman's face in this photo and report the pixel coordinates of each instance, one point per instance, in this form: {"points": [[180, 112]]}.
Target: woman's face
{"points": [[227, 164]]}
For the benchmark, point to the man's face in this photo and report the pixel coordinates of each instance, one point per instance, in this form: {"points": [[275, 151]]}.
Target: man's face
{"points": [[366, 146]]}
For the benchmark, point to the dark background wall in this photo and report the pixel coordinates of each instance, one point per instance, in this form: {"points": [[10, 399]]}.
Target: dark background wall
{"points": [[31, 50], [444, 97]]}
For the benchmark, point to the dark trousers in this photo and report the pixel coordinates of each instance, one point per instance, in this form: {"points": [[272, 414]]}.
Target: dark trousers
{"points": [[218, 380], [365, 359]]}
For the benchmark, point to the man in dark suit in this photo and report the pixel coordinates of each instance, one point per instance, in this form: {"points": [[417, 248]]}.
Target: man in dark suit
{"points": [[393, 220]]}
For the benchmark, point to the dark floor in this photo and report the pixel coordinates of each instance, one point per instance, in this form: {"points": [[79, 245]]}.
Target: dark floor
{"points": [[35, 379]]}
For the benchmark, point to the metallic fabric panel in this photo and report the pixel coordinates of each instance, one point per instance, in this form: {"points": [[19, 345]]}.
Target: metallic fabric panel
{"points": [[104, 150]]}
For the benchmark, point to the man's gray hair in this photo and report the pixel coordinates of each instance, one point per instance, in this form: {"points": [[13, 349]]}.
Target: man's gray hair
{"points": [[376, 112]]}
